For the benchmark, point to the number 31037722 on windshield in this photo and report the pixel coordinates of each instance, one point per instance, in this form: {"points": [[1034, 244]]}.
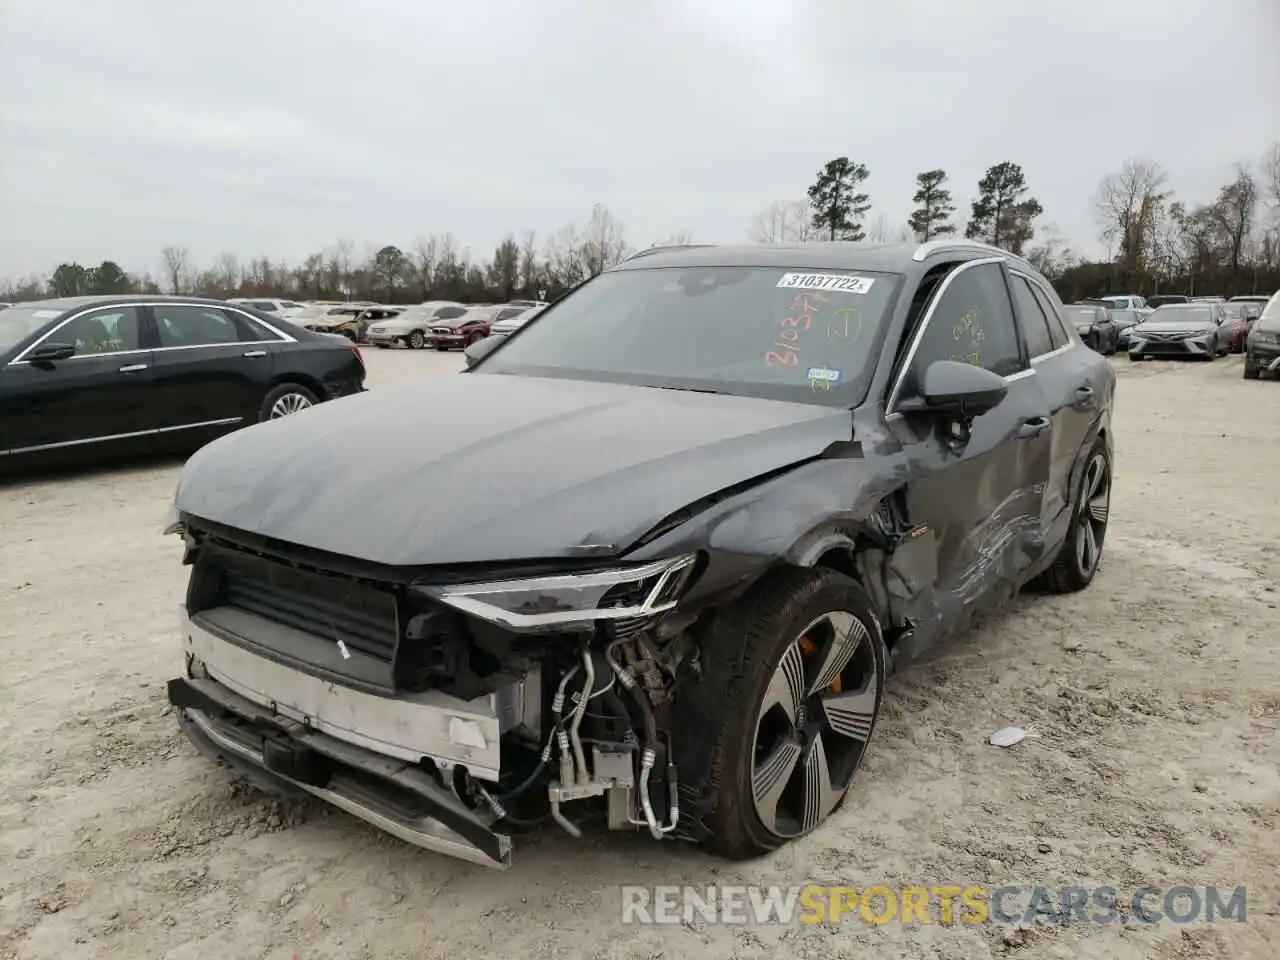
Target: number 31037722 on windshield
{"points": [[786, 350]]}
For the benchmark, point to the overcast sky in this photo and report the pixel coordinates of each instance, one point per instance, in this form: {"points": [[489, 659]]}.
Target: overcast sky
{"points": [[277, 126]]}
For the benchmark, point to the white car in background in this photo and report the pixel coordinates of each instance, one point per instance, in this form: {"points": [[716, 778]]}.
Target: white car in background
{"points": [[410, 328], [502, 328], [272, 306], [1128, 301]]}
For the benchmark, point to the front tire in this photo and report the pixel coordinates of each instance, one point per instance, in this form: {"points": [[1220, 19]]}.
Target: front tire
{"points": [[793, 681], [1081, 551], [416, 340], [1251, 372], [286, 400]]}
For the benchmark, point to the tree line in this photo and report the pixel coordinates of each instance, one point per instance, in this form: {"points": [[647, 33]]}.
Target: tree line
{"points": [[1156, 243]]}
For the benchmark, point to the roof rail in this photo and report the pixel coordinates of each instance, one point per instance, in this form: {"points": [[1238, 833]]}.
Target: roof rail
{"points": [[930, 247], [665, 247]]}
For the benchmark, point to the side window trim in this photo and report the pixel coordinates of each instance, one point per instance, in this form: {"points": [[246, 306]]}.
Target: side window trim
{"points": [[1054, 317], [899, 380], [20, 359], [145, 307]]}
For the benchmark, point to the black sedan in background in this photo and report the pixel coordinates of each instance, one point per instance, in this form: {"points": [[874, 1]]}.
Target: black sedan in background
{"points": [[87, 377], [1094, 324]]}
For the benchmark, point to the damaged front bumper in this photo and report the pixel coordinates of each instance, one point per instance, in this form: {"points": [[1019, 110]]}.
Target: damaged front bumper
{"points": [[280, 746]]}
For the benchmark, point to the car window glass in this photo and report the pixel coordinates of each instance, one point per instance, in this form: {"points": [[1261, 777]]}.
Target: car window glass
{"points": [[972, 322], [112, 330], [251, 330], [1057, 326], [263, 305], [1035, 325], [449, 313], [194, 326]]}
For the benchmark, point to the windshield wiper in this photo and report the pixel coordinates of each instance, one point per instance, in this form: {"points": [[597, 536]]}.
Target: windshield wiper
{"points": [[654, 386]]}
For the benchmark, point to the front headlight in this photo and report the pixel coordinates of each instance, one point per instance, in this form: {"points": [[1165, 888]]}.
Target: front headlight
{"points": [[1265, 336], [542, 603]]}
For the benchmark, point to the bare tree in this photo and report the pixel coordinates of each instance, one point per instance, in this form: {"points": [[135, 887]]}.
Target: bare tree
{"points": [[176, 268], [226, 273], [531, 279], [1271, 178], [565, 256], [878, 231], [423, 258], [1053, 256], [603, 245], [1128, 205], [786, 221], [1234, 212]]}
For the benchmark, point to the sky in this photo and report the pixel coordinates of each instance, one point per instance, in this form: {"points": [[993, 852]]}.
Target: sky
{"points": [[276, 127]]}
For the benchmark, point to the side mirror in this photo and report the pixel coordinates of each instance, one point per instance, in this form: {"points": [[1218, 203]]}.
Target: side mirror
{"points": [[949, 386], [51, 352], [480, 349]]}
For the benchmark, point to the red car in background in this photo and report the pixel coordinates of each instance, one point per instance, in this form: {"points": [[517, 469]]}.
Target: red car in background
{"points": [[462, 331], [1235, 327]]}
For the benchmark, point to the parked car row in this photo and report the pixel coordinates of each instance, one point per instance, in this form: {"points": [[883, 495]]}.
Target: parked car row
{"points": [[444, 324], [1166, 324]]}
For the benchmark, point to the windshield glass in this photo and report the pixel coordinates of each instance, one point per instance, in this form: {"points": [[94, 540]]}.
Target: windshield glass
{"points": [[18, 323], [308, 313], [520, 319], [1082, 314], [1182, 313], [805, 336]]}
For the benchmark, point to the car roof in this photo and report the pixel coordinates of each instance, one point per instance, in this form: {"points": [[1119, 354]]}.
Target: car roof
{"points": [[831, 255], [837, 255], [93, 300]]}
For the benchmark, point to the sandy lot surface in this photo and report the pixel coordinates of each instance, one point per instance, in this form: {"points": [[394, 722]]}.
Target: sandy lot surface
{"points": [[1152, 701]]}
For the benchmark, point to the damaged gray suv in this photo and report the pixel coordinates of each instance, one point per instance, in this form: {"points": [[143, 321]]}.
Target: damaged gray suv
{"points": [[653, 556]]}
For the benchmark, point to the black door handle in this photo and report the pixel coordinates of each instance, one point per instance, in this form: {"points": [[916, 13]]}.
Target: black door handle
{"points": [[1033, 427]]}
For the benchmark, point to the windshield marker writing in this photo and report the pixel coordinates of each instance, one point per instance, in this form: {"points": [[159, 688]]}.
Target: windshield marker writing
{"points": [[788, 343]]}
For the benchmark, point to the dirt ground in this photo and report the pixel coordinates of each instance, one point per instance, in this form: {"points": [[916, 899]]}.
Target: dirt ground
{"points": [[1152, 701]]}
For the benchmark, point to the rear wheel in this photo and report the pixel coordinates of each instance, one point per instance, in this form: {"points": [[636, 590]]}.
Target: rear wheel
{"points": [[1081, 551], [794, 676], [285, 400]]}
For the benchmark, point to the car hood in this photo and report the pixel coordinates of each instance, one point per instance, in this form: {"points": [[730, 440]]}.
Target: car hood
{"points": [[486, 467]]}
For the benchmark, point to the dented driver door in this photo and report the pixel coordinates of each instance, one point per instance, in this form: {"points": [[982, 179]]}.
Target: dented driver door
{"points": [[979, 484]]}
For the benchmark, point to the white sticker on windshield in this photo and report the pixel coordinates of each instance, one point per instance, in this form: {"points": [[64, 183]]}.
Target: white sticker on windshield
{"points": [[826, 281], [824, 373]]}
